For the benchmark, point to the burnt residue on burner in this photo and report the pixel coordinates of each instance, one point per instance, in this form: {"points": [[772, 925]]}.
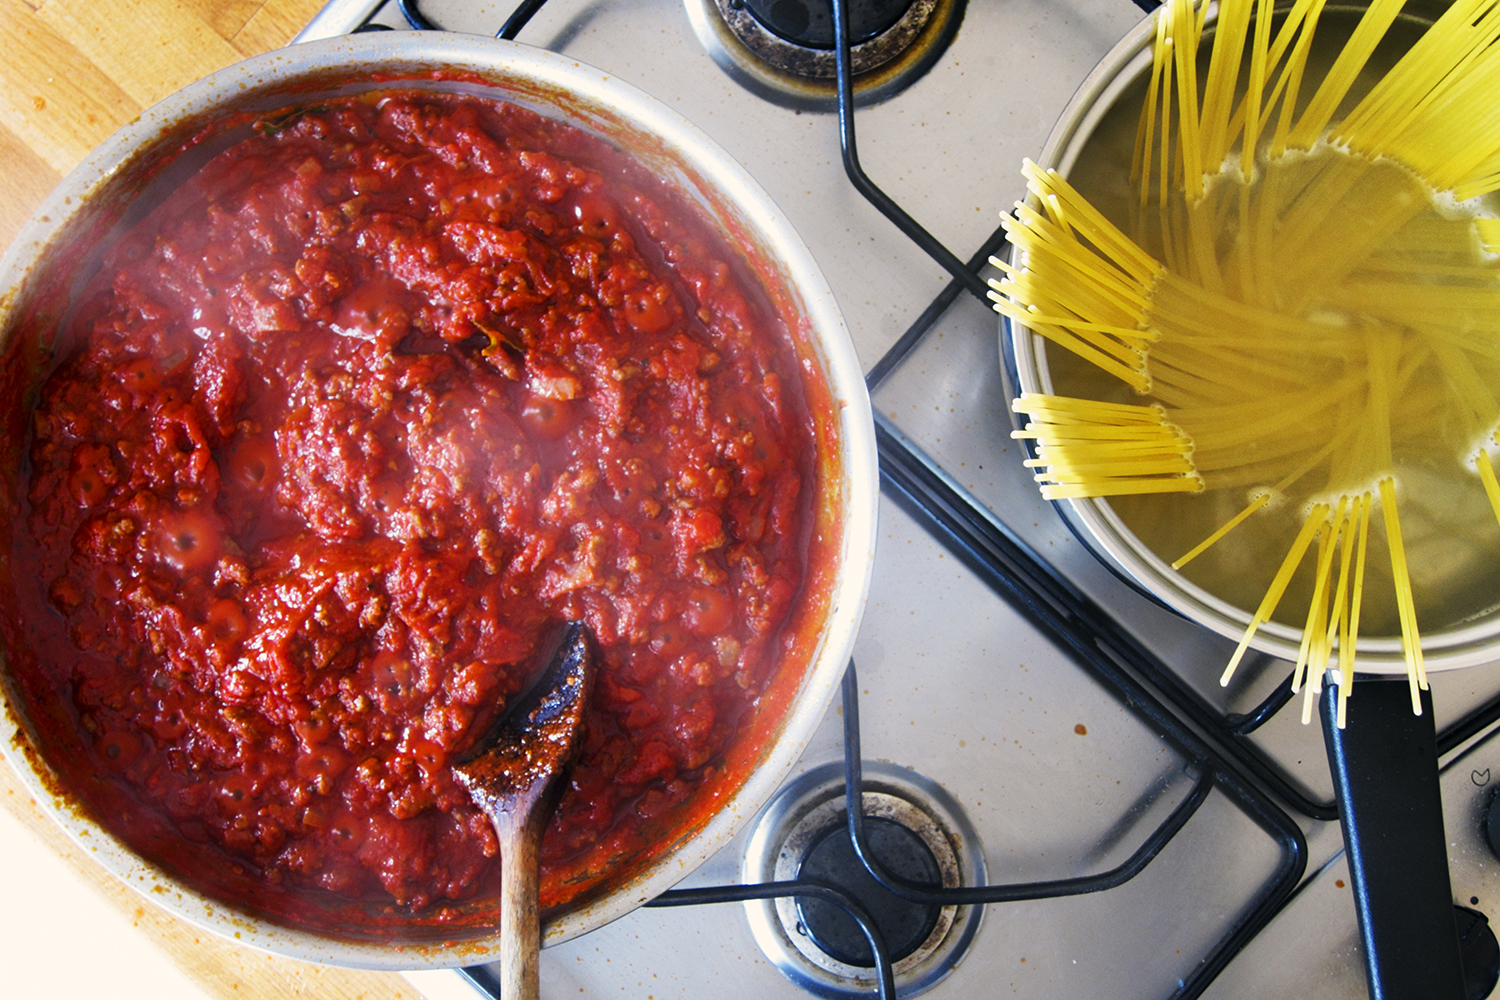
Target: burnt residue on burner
{"points": [[783, 49], [914, 829], [809, 23]]}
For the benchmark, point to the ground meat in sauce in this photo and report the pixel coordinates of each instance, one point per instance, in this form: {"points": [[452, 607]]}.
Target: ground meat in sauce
{"points": [[362, 411]]}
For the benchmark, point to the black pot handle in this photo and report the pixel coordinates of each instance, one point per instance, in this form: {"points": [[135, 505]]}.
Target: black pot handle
{"points": [[1385, 774]]}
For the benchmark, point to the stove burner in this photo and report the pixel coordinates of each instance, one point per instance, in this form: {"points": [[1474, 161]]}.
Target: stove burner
{"points": [[914, 828], [903, 925], [810, 22], [783, 49]]}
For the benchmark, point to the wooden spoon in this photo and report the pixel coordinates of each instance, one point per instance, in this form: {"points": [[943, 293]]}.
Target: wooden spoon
{"points": [[514, 776]]}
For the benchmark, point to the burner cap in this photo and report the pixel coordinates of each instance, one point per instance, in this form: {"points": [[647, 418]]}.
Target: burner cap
{"points": [[810, 22], [903, 925], [783, 49], [914, 828]]}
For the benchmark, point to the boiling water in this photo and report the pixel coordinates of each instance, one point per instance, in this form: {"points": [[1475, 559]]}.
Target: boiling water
{"points": [[1450, 531]]}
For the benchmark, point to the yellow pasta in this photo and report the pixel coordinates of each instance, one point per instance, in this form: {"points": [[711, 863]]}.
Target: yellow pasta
{"points": [[1320, 300]]}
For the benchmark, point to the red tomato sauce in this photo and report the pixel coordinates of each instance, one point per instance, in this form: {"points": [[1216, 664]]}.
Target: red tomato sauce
{"points": [[360, 413]]}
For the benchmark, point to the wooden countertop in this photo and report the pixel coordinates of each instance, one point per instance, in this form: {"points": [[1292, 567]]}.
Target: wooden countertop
{"points": [[71, 72]]}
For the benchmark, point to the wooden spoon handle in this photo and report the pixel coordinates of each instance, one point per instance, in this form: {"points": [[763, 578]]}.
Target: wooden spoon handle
{"points": [[515, 779], [520, 930]]}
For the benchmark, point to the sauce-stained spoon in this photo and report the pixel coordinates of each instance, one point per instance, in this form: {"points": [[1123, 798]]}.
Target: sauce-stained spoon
{"points": [[514, 775]]}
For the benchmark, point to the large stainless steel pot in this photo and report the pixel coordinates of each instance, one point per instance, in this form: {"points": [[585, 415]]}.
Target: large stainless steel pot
{"points": [[1472, 641], [1384, 764], [52, 254]]}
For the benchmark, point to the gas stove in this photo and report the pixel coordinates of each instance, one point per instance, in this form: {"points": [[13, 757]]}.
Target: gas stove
{"points": [[1018, 717]]}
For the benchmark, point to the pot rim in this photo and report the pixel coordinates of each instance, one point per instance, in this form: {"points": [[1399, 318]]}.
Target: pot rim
{"points": [[1094, 520], [408, 57]]}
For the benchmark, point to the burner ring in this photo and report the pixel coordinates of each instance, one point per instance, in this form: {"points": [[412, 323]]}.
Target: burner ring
{"points": [[817, 62], [801, 816], [810, 22], [803, 76]]}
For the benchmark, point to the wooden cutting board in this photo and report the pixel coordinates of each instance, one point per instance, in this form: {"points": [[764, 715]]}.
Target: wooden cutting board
{"points": [[71, 72]]}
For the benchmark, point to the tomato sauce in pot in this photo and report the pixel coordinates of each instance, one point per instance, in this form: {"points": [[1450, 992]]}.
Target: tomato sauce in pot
{"points": [[360, 413]]}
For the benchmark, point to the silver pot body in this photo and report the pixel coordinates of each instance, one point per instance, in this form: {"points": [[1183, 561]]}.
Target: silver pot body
{"points": [[1094, 521], [110, 189]]}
